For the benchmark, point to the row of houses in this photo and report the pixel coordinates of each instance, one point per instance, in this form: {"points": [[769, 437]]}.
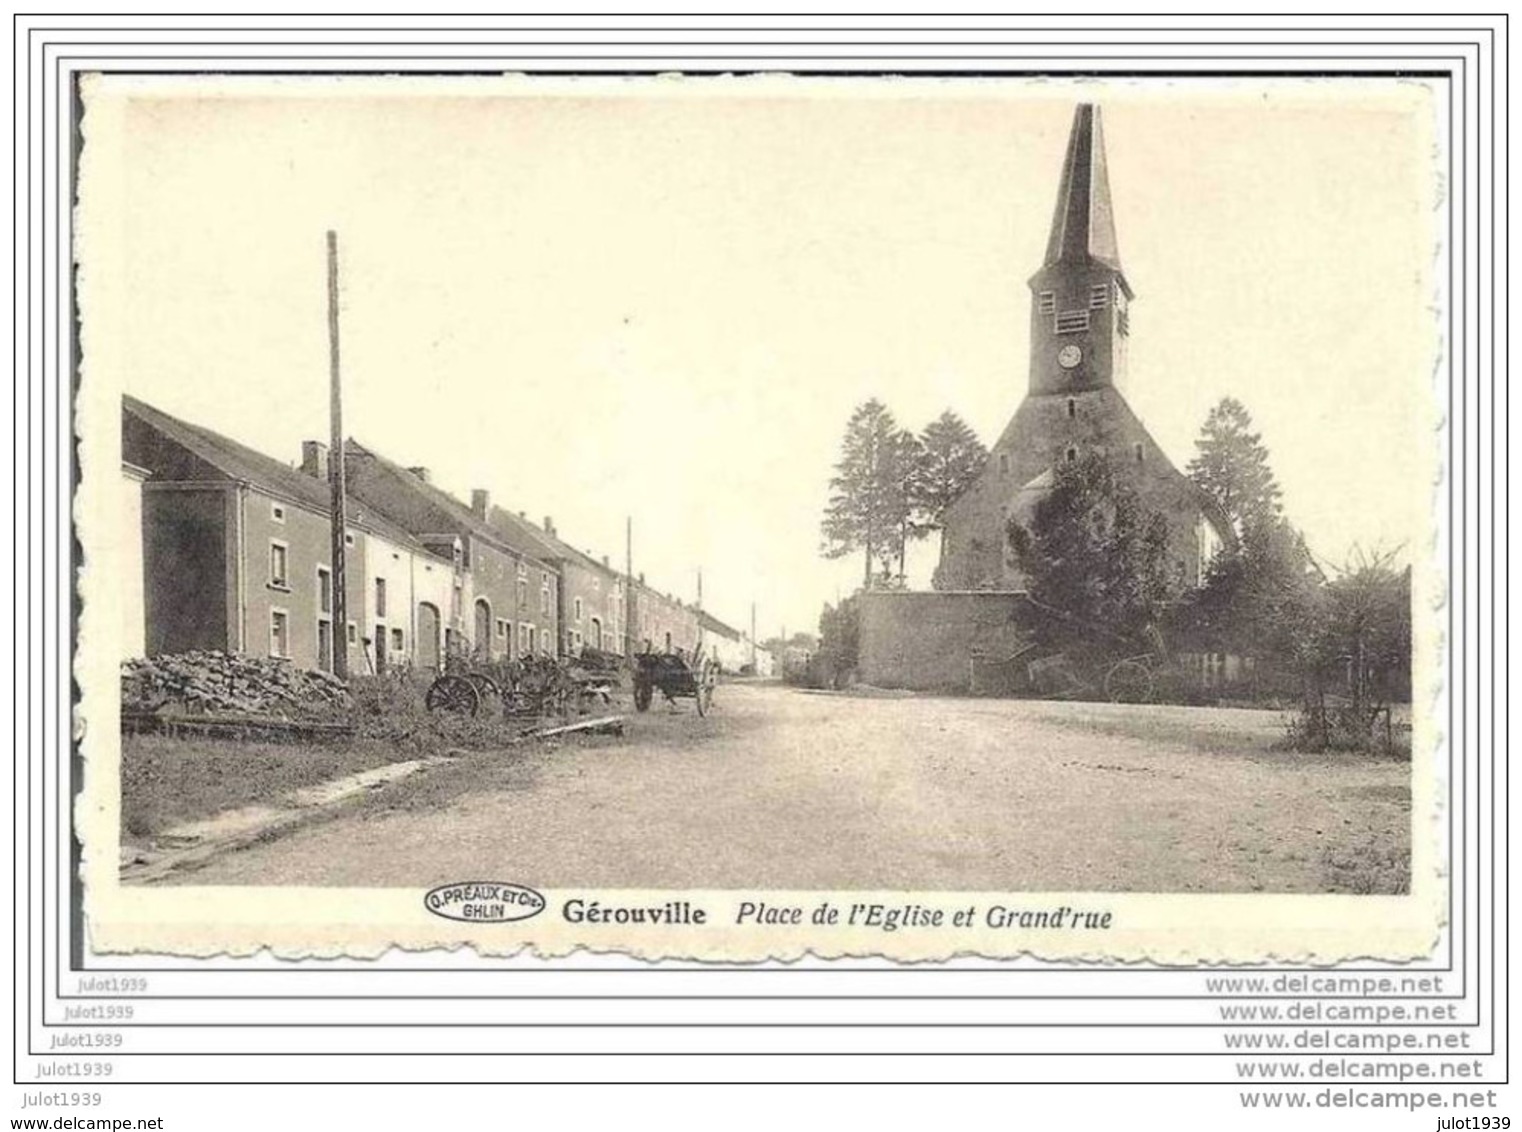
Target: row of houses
{"points": [[234, 552]]}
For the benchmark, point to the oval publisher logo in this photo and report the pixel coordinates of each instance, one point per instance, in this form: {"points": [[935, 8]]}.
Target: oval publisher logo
{"points": [[484, 901]]}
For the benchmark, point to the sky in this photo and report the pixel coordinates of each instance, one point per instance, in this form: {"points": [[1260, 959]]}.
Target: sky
{"points": [[662, 298]]}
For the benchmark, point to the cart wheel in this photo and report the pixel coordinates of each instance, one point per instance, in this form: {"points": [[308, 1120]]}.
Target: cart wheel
{"points": [[485, 687], [453, 693], [1129, 682], [643, 691]]}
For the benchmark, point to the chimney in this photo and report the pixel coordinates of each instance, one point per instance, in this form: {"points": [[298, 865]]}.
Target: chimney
{"points": [[523, 514], [549, 525], [480, 502], [421, 473], [314, 459]]}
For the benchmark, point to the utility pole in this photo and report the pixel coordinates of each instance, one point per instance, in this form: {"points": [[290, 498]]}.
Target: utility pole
{"points": [[629, 585], [339, 518], [753, 637]]}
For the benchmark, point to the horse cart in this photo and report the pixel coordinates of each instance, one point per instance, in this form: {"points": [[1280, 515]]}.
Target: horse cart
{"points": [[676, 678], [528, 687], [1084, 673]]}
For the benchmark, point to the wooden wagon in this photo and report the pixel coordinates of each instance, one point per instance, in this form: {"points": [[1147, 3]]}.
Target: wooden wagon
{"points": [[676, 678]]}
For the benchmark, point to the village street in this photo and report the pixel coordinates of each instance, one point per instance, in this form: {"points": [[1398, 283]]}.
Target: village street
{"points": [[785, 789]]}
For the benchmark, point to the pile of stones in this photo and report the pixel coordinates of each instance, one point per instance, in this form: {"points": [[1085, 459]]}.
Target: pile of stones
{"points": [[201, 682]]}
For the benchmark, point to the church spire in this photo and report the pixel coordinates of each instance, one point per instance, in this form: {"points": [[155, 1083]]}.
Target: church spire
{"points": [[1083, 226]]}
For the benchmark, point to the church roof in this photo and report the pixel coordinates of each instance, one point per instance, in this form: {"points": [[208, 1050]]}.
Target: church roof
{"points": [[1083, 225]]}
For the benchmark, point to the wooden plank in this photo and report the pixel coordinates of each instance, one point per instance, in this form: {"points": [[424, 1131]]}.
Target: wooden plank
{"points": [[612, 723]]}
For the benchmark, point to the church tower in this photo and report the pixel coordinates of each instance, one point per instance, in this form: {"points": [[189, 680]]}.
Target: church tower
{"points": [[1079, 298], [1074, 405]]}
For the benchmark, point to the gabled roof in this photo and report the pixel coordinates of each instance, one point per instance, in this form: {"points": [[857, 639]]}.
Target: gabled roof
{"points": [[1083, 224], [521, 533], [402, 483], [714, 625], [243, 464], [551, 546]]}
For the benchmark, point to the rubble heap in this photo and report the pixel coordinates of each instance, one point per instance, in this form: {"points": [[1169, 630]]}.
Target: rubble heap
{"points": [[223, 682]]}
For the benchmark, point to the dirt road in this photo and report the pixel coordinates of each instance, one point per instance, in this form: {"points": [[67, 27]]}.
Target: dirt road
{"points": [[791, 790]]}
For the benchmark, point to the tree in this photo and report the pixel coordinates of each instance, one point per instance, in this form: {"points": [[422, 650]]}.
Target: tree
{"points": [[1263, 598], [869, 506], [906, 460], [1095, 551], [951, 458], [839, 642], [1231, 466]]}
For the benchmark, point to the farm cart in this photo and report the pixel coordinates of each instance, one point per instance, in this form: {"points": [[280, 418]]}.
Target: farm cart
{"points": [[1088, 672], [676, 678], [531, 686]]}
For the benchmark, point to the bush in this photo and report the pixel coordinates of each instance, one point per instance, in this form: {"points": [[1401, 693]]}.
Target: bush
{"points": [[390, 709], [1318, 726]]}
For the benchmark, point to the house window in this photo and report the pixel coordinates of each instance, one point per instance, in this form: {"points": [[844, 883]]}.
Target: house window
{"points": [[1046, 302], [398, 640], [324, 590], [522, 593], [1072, 408], [1004, 463], [280, 633], [577, 606], [380, 597], [501, 627], [279, 563], [1071, 454], [277, 513], [1072, 322], [457, 600], [1123, 322], [1138, 452], [325, 644], [576, 638], [544, 594], [1099, 296], [353, 633]]}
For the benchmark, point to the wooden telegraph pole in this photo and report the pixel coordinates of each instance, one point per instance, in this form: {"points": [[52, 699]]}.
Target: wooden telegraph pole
{"points": [[339, 517], [629, 601]]}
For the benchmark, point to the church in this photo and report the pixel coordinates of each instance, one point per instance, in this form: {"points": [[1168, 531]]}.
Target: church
{"points": [[1080, 334]]}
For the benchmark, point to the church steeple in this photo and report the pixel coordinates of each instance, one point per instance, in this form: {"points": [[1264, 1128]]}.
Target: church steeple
{"points": [[1083, 226], [1079, 316]]}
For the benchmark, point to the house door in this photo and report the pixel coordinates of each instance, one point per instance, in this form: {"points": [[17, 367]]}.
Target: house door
{"points": [[482, 643], [596, 633], [427, 635]]}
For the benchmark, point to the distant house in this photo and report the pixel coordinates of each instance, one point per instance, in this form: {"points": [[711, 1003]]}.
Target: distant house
{"points": [[662, 623], [504, 601], [727, 645], [593, 605], [237, 552]]}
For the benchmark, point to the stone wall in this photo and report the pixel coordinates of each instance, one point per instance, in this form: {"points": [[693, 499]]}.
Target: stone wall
{"points": [[942, 641]]}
